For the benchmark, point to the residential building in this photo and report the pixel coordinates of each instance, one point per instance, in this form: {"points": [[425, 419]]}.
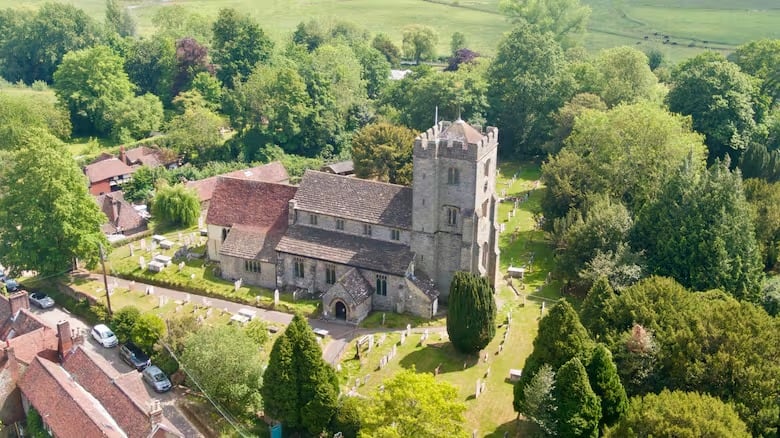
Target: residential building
{"points": [[345, 168], [122, 217], [107, 175]]}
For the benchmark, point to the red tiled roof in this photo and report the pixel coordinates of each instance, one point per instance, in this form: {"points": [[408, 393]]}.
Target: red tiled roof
{"points": [[126, 217], [29, 345], [272, 172], [64, 404], [258, 204], [100, 382], [106, 169]]}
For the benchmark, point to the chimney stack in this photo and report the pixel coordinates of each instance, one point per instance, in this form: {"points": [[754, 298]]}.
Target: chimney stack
{"points": [[65, 342], [155, 413], [19, 301], [122, 155]]}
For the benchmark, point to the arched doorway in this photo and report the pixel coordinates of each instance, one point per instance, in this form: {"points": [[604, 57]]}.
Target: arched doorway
{"points": [[341, 311]]}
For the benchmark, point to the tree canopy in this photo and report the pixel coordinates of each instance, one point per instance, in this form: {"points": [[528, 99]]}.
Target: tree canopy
{"points": [[419, 42], [471, 317], [238, 45], [567, 20], [579, 410], [384, 151], [176, 205]]}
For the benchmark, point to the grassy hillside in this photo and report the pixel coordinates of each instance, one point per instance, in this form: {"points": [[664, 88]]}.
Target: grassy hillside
{"points": [[691, 24]]}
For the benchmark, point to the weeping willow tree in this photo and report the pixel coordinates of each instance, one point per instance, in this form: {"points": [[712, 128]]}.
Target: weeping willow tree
{"points": [[175, 205]]}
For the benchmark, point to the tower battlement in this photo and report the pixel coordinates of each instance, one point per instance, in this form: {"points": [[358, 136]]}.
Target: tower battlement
{"points": [[457, 140]]}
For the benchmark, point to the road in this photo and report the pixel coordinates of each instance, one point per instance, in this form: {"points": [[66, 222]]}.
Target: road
{"points": [[340, 333]]}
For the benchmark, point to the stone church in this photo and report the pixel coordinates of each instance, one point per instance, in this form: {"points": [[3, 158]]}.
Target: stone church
{"points": [[366, 245]]}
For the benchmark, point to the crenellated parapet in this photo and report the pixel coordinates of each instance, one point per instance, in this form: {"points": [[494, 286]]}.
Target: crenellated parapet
{"points": [[457, 140]]}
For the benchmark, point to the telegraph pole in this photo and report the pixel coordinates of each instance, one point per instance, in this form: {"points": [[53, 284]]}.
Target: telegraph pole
{"points": [[105, 281]]}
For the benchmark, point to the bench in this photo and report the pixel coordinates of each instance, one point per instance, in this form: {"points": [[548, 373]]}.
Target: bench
{"points": [[321, 332]]}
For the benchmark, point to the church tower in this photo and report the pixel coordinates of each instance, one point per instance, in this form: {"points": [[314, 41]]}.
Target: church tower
{"points": [[455, 205]]}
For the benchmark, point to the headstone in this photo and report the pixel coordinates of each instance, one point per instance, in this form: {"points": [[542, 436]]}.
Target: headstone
{"points": [[484, 387], [276, 297], [542, 308], [476, 391], [200, 319], [487, 373], [237, 284], [208, 312], [178, 308], [132, 250], [370, 342], [179, 237], [394, 350], [403, 338], [187, 298], [500, 347], [383, 319], [486, 357], [162, 301], [192, 238], [338, 368], [474, 434], [181, 266], [408, 329], [142, 263], [508, 216], [151, 290], [154, 245], [382, 339], [365, 379], [357, 381], [143, 244]]}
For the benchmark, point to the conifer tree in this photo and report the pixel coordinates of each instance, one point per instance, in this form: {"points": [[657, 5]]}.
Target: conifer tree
{"points": [[299, 388], [579, 409], [561, 337], [471, 321], [605, 382], [539, 403], [594, 306]]}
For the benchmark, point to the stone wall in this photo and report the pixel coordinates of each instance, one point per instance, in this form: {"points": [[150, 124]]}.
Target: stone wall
{"points": [[234, 268]]}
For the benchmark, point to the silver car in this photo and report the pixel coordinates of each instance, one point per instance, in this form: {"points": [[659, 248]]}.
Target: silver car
{"points": [[104, 336], [41, 300], [156, 379]]}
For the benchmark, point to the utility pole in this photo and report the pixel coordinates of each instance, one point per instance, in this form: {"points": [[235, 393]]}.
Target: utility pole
{"points": [[105, 281]]}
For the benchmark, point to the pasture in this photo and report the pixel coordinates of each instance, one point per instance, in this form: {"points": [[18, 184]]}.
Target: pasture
{"points": [[691, 25]]}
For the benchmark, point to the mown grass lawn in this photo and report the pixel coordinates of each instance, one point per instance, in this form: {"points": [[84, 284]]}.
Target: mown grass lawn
{"points": [[492, 413]]}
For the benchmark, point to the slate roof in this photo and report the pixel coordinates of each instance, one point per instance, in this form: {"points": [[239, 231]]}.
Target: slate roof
{"points": [[258, 204], [106, 169], [126, 217], [462, 131], [356, 286], [346, 249], [272, 172], [69, 409], [426, 285], [248, 242], [340, 168], [358, 199]]}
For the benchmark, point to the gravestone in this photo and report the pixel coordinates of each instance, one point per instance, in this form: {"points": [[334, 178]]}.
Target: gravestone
{"points": [[382, 339], [237, 284], [187, 298], [383, 319], [370, 342], [143, 244], [132, 250], [365, 379], [542, 308], [161, 301], [181, 266], [478, 387], [403, 338], [408, 329], [142, 263], [394, 350], [276, 297], [487, 373], [338, 368], [208, 312]]}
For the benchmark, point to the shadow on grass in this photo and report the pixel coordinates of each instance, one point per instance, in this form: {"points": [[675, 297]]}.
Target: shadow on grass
{"points": [[442, 355], [515, 428]]}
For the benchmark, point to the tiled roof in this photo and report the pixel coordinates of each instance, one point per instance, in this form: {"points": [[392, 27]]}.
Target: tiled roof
{"points": [[69, 410], [99, 380], [28, 345], [253, 243], [356, 286], [257, 204], [462, 131], [340, 167], [126, 217], [425, 285], [354, 198], [106, 169], [345, 249], [272, 172]]}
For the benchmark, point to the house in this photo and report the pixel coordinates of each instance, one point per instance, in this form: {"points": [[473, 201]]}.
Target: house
{"points": [[367, 245], [107, 175], [148, 156], [273, 172], [123, 218], [345, 168], [245, 223]]}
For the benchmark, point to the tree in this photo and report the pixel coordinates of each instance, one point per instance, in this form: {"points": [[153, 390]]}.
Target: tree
{"points": [[761, 58], [196, 134], [225, 364], [710, 241], [722, 101], [147, 330], [566, 116], [375, 69], [300, 389], [771, 302], [604, 379], [347, 418], [764, 199], [257, 330], [419, 42], [191, 58], [176, 205], [579, 409], [238, 45], [118, 20], [627, 152], [461, 56], [385, 45], [539, 404], [90, 82], [679, 414], [471, 317], [528, 81], [621, 75], [150, 65], [47, 217], [21, 113], [561, 337], [414, 404], [567, 20], [123, 321], [383, 151], [135, 117], [177, 22], [338, 66], [209, 88], [595, 306], [36, 44], [457, 42], [180, 328]]}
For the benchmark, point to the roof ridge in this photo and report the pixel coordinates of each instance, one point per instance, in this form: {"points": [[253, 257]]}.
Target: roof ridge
{"points": [[352, 178]]}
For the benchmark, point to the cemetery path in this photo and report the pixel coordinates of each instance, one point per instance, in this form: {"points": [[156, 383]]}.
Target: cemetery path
{"points": [[340, 333]]}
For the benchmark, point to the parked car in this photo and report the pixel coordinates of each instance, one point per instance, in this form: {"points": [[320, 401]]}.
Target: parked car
{"points": [[12, 285], [134, 356], [41, 300], [104, 336], [156, 378]]}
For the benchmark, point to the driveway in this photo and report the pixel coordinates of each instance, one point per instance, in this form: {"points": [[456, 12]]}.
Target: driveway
{"points": [[55, 314]]}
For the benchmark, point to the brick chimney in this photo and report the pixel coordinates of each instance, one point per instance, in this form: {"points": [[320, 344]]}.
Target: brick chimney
{"points": [[19, 301], [123, 155], [155, 413], [65, 341]]}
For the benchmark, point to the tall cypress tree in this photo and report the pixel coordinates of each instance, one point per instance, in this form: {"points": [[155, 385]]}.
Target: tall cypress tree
{"points": [[579, 409], [605, 382], [299, 388], [471, 321], [594, 306], [561, 337]]}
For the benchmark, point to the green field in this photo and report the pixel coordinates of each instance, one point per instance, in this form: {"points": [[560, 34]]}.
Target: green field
{"points": [[722, 24]]}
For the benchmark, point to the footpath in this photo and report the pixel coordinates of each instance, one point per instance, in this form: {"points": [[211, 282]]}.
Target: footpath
{"points": [[340, 333]]}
